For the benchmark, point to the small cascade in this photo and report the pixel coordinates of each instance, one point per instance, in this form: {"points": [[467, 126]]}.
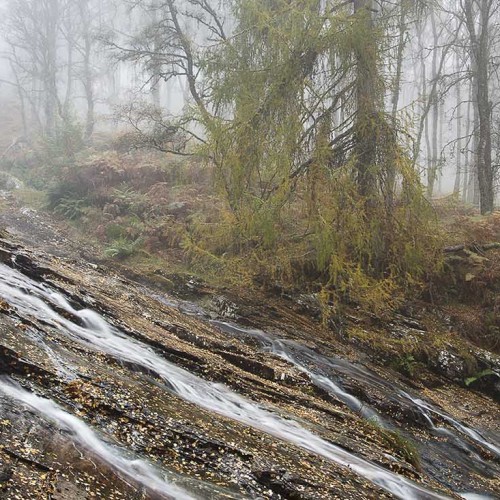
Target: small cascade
{"points": [[320, 368], [139, 471], [310, 363], [38, 301], [427, 410], [64, 370]]}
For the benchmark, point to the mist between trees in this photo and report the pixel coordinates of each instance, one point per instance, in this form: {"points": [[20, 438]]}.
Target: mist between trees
{"points": [[328, 127]]}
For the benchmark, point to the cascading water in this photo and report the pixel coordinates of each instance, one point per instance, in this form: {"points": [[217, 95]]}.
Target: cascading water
{"points": [[281, 349], [138, 471], [33, 299], [428, 410], [320, 370], [61, 366], [286, 349]]}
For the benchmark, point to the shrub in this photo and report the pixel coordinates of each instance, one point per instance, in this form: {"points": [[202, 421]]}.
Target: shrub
{"points": [[130, 200], [71, 208], [122, 248], [406, 365]]}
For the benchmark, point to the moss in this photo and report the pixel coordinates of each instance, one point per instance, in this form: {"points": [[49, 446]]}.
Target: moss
{"points": [[399, 444], [403, 447]]}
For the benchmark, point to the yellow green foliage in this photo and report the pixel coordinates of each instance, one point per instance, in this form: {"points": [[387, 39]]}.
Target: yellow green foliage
{"points": [[290, 171]]}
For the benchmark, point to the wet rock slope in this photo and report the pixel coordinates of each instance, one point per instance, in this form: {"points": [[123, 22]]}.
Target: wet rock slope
{"points": [[111, 390]]}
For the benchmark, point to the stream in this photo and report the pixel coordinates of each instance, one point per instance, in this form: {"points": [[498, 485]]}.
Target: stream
{"points": [[39, 301], [137, 470], [35, 300], [322, 370], [326, 373]]}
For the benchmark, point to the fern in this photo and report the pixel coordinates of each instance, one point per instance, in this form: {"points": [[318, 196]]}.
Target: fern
{"points": [[122, 248], [469, 381], [71, 208]]}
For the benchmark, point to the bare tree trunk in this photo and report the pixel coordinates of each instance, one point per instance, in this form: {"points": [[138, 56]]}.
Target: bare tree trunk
{"points": [[439, 159], [189, 62], [69, 73], [484, 166], [156, 66], [473, 179], [468, 169], [432, 173], [399, 56], [424, 125], [391, 170], [480, 42], [51, 25], [88, 77], [458, 146], [428, 99]]}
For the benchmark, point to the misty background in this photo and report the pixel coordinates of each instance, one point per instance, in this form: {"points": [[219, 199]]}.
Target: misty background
{"points": [[100, 58]]}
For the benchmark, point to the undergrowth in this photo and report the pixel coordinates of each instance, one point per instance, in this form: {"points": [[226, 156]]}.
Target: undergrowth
{"points": [[122, 248], [318, 241]]}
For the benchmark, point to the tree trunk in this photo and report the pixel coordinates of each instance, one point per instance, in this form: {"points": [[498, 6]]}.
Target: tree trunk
{"points": [[66, 111], [51, 22], [156, 65], [366, 96], [473, 178], [439, 157], [468, 169], [428, 101], [480, 51], [399, 56], [432, 172], [484, 165], [88, 77], [458, 173]]}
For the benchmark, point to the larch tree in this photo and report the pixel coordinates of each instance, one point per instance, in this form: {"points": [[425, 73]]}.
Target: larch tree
{"points": [[287, 104]]}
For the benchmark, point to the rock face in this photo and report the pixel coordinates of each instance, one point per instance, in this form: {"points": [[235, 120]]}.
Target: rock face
{"points": [[110, 390], [485, 374], [451, 365], [221, 307]]}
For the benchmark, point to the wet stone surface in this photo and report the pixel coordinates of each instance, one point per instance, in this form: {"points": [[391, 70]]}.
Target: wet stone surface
{"points": [[140, 415]]}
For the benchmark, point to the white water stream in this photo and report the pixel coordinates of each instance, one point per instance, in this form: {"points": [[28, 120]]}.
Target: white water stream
{"points": [[137, 470], [38, 301], [285, 349], [281, 348], [428, 410]]}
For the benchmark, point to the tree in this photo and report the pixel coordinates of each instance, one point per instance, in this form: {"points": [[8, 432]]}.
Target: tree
{"points": [[53, 54], [367, 98], [32, 31], [287, 105], [478, 14]]}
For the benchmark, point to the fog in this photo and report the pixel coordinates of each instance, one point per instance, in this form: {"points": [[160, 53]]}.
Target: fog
{"points": [[331, 166], [99, 62]]}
